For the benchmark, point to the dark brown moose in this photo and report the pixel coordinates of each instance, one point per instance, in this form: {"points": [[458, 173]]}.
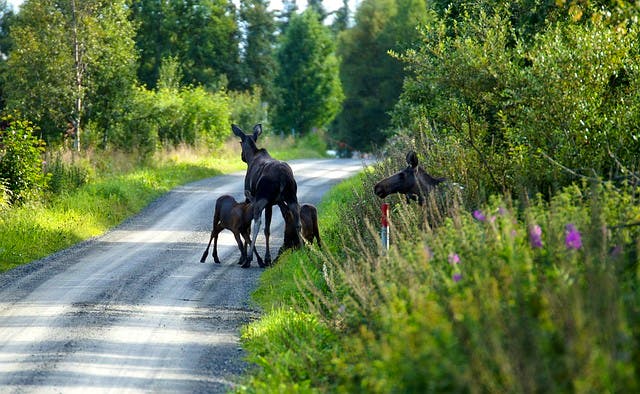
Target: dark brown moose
{"points": [[235, 216], [413, 182], [268, 182], [309, 231]]}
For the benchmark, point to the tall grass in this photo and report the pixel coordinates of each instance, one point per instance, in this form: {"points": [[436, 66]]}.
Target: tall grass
{"points": [[94, 194], [539, 296]]}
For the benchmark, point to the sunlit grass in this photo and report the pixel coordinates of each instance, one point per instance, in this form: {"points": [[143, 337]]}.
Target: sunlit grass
{"points": [[98, 190], [37, 229]]}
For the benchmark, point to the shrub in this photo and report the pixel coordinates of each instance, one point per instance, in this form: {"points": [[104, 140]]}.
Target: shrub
{"points": [[171, 117], [21, 165], [511, 112], [247, 109], [501, 299]]}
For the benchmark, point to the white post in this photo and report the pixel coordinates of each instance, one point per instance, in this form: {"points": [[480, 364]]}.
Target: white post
{"points": [[384, 231]]}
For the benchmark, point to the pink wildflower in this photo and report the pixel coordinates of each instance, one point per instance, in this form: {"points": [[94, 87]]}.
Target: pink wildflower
{"points": [[573, 240], [535, 236], [454, 258], [479, 215], [457, 277]]}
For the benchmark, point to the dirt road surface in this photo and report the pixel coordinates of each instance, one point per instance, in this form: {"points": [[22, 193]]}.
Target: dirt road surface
{"points": [[134, 310]]}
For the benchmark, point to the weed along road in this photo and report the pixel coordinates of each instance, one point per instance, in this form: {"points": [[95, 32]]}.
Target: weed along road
{"points": [[135, 310]]}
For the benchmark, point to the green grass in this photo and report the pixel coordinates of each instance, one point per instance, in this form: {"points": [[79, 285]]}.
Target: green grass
{"points": [[37, 229], [97, 190], [461, 302]]}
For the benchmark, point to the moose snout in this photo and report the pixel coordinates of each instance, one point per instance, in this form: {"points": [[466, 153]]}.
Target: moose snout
{"points": [[379, 190]]}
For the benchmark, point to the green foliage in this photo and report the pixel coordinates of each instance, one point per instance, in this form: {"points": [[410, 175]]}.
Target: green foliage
{"points": [[171, 117], [371, 78], [21, 165], [259, 58], [202, 34], [302, 345], [519, 113], [307, 80], [65, 177], [248, 109], [462, 301], [44, 80]]}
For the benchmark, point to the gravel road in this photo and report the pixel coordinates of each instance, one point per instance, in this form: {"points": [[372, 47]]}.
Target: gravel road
{"points": [[134, 310]]}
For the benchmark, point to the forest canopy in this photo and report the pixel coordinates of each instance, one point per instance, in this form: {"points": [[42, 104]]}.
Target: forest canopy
{"points": [[509, 95]]}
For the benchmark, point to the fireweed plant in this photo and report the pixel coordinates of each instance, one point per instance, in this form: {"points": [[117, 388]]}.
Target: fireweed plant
{"points": [[500, 299]]}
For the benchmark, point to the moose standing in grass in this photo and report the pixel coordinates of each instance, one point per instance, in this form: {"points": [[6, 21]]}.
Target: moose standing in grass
{"points": [[413, 182]]}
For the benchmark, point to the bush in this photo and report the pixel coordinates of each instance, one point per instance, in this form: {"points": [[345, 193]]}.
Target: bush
{"points": [[497, 300], [21, 164], [64, 176], [524, 114], [247, 109], [171, 117]]}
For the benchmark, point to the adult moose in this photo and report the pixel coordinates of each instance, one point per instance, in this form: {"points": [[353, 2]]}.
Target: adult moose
{"points": [[268, 182], [413, 182]]}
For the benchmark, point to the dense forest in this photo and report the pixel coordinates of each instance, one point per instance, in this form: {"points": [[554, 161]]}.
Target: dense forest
{"points": [[505, 94]]}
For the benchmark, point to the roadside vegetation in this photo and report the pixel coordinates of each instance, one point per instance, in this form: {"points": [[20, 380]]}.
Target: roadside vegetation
{"points": [[528, 296], [519, 274]]}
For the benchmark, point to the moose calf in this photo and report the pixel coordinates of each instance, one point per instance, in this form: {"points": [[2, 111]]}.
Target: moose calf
{"points": [[235, 216], [309, 227]]}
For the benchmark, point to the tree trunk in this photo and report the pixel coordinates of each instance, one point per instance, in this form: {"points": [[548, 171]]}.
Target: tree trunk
{"points": [[78, 80]]}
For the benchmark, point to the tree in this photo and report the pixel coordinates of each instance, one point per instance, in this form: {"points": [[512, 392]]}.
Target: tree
{"points": [[259, 54], [316, 5], [308, 82], [71, 60], [526, 113], [341, 19], [202, 34], [6, 19], [371, 78], [289, 9]]}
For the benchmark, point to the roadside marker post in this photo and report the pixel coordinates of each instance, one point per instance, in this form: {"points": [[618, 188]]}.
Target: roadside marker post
{"points": [[384, 230]]}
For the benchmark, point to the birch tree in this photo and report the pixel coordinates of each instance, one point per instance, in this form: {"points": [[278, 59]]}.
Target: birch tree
{"points": [[69, 59]]}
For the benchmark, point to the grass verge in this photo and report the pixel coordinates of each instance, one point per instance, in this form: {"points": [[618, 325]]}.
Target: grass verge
{"points": [[98, 190], [36, 229], [537, 296]]}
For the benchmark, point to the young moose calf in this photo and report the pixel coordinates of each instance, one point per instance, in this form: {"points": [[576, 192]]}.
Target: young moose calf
{"points": [[309, 227], [235, 216]]}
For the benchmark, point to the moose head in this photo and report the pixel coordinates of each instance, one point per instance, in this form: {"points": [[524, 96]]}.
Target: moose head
{"points": [[247, 141], [413, 182]]}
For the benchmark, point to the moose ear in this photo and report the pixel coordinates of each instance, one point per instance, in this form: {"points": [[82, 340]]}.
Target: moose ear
{"points": [[257, 130], [238, 131], [412, 159]]}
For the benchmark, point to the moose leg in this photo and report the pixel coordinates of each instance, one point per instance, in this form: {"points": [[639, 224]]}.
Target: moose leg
{"points": [[258, 207], [267, 232], [247, 241], [294, 207], [215, 246], [206, 252], [242, 247]]}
